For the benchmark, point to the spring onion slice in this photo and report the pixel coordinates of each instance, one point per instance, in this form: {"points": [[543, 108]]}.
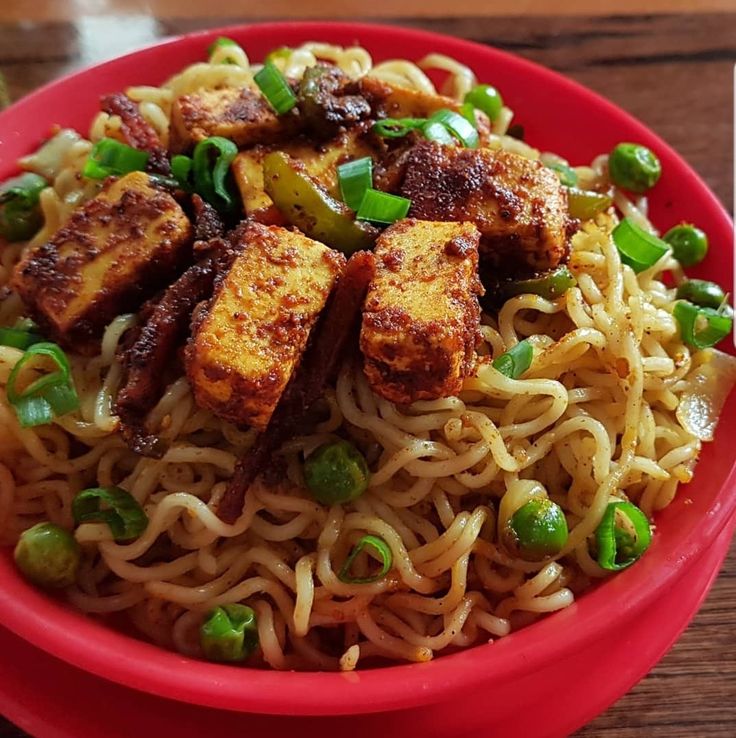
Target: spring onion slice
{"points": [[220, 42], [622, 536], [638, 248], [467, 110], [110, 157], [702, 327], [458, 126], [354, 178], [280, 53], [380, 547], [275, 88], [20, 210], [397, 127], [514, 362], [567, 174], [380, 207], [586, 204], [49, 396], [433, 130], [229, 633], [21, 336], [114, 506], [181, 170], [211, 167]]}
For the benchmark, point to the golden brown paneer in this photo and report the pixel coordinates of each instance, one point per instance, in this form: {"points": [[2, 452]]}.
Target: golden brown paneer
{"points": [[111, 255], [518, 204], [241, 114], [421, 316], [389, 100], [247, 342], [320, 161]]}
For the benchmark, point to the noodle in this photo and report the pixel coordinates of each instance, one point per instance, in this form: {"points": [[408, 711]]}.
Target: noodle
{"points": [[592, 421]]}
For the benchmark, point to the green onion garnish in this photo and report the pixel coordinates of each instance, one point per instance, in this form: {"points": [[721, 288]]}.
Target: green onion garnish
{"points": [[380, 547], [622, 536], [397, 127], [434, 130], [219, 43], [354, 178], [110, 157], [586, 204], [181, 170], [702, 327], [281, 52], [275, 88], [229, 633], [21, 336], [567, 174], [211, 169], [20, 210], [467, 110], [638, 248], [458, 126], [514, 362], [48, 396], [380, 207], [114, 506]]}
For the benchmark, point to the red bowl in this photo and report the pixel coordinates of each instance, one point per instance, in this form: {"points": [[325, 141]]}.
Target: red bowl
{"points": [[566, 659]]}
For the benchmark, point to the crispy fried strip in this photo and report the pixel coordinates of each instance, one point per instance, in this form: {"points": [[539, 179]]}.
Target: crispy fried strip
{"points": [[332, 335], [137, 131]]}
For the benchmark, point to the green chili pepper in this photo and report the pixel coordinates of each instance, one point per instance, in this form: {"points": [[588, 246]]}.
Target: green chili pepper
{"points": [[586, 204], [310, 208], [689, 244], [550, 285], [538, 529], [229, 633], [48, 555], [622, 536], [701, 292], [634, 167], [336, 473], [111, 505], [20, 209]]}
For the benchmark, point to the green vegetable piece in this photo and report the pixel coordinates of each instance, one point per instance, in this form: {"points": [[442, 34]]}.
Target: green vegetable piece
{"points": [[634, 167], [622, 536], [486, 98], [638, 248], [229, 633], [703, 327], [22, 335], [48, 556], [281, 52], [458, 126], [20, 209], [538, 529], [689, 244], [701, 292], [113, 158], [310, 208], [275, 88], [514, 362], [380, 547], [211, 172], [397, 127], [549, 285], [114, 506], [336, 473], [49, 396], [467, 110], [567, 174], [222, 42], [586, 204], [382, 208], [354, 178], [433, 130]]}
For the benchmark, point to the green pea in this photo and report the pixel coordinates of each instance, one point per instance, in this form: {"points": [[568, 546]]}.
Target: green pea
{"points": [[229, 633], [701, 292], [336, 473], [689, 244], [48, 555], [537, 529], [486, 98], [634, 167]]}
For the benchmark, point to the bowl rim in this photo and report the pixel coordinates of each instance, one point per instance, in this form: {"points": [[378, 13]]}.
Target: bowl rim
{"points": [[127, 660]]}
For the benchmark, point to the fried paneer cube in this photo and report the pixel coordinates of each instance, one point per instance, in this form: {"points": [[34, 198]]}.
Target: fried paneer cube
{"points": [[110, 256], [319, 159], [518, 204], [241, 114], [421, 317], [389, 100], [247, 342]]}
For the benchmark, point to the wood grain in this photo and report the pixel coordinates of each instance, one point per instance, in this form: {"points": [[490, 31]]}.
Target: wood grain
{"points": [[674, 72]]}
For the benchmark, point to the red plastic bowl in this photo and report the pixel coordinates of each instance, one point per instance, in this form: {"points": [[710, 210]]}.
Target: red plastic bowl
{"points": [[566, 659]]}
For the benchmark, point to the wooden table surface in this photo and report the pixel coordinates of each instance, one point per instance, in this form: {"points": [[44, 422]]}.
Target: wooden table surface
{"points": [[673, 71]]}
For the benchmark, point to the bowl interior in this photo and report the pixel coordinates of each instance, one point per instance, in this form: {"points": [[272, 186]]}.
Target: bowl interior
{"points": [[575, 123]]}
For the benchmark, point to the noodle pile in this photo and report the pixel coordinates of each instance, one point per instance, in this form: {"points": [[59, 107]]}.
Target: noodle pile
{"points": [[593, 420]]}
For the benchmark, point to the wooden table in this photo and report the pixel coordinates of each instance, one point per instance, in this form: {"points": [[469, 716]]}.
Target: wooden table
{"points": [[674, 72]]}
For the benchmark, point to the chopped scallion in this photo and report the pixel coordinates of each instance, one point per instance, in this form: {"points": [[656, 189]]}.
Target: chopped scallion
{"points": [[380, 547], [434, 130], [114, 506], [638, 248], [514, 362], [211, 170], [702, 327], [110, 157], [354, 178], [458, 126], [20, 208], [397, 127], [622, 536], [380, 207], [21, 336], [275, 88]]}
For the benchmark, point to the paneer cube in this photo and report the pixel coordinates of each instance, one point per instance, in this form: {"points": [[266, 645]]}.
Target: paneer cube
{"points": [[112, 254], [241, 114], [247, 342], [421, 317], [389, 100], [518, 204], [320, 160]]}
